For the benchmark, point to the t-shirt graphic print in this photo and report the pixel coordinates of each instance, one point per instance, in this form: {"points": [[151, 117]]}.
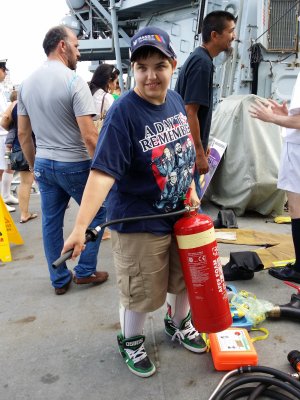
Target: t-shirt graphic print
{"points": [[173, 161]]}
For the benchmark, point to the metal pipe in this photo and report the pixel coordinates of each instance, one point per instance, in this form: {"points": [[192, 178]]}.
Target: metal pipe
{"points": [[115, 30], [119, 4], [235, 49]]}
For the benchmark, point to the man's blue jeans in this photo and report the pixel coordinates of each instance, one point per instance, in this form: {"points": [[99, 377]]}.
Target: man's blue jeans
{"points": [[58, 182]]}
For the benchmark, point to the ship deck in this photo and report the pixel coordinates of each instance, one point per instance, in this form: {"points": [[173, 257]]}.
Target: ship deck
{"points": [[65, 348]]}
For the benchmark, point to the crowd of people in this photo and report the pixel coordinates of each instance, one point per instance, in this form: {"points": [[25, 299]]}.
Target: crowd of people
{"points": [[127, 169]]}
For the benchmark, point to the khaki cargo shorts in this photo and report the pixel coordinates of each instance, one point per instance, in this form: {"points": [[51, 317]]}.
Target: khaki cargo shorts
{"points": [[147, 267]]}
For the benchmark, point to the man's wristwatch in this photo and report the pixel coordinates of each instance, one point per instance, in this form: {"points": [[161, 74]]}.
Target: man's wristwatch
{"points": [[31, 169]]}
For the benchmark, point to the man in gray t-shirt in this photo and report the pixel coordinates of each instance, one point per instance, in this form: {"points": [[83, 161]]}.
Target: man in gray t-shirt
{"points": [[57, 105]]}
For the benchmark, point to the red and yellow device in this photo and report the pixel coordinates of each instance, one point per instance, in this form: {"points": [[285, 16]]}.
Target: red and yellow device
{"points": [[232, 349], [202, 271]]}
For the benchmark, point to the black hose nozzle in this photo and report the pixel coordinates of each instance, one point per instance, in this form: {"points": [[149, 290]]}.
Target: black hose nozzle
{"points": [[91, 235]]}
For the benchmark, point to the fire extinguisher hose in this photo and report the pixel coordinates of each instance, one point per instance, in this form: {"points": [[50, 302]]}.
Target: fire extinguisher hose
{"points": [[246, 391], [278, 379], [92, 233]]}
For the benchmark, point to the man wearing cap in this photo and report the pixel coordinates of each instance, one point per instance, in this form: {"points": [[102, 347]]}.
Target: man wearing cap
{"points": [[195, 82], [125, 166], [6, 175]]}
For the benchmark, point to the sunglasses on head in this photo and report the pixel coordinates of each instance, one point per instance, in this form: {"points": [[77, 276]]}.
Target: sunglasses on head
{"points": [[114, 71]]}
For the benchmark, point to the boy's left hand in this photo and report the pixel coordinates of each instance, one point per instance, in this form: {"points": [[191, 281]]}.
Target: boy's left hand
{"points": [[194, 199]]}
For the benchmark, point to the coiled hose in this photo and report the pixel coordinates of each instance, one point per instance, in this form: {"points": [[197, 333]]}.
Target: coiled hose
{"points": [[278, 379]]}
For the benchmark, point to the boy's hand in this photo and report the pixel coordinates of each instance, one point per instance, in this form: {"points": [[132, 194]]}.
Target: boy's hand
{"points": [[194, 199], [75, 241]]}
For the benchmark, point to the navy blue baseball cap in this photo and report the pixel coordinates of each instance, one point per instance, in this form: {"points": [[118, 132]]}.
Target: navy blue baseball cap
{"points": [[153, 37], [3, 65]]}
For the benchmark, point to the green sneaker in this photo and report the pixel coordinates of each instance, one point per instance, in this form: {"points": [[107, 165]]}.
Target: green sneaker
{"points": [[186, 334], [133, 351]]}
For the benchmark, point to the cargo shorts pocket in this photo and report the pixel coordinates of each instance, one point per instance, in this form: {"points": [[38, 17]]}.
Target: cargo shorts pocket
{"points": [[129, 277], [155, 279]]}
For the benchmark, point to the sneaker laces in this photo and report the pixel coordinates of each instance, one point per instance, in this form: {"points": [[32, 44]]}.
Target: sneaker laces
{"points": [[138, 354], [189, 332]]}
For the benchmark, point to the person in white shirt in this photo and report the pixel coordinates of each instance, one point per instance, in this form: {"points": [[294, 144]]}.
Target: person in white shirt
{"points": [[289, 169], [102, 85]]}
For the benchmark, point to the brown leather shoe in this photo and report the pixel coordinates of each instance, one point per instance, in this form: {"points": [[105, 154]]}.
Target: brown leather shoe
{"points": [[96, 278], [65, 288]]}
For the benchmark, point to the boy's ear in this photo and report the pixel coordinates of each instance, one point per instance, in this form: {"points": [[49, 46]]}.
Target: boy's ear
{"points": [[174, 64]]}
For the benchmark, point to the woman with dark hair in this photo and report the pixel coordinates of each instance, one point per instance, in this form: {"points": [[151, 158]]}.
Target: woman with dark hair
{"points": [[104, 83]]}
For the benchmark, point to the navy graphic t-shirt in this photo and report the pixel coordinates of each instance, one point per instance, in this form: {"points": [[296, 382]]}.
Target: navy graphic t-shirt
{"points": [[149, 150]]}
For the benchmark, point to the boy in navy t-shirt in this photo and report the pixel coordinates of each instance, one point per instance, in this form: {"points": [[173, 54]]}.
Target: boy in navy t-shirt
{"points": [[145, 160]]}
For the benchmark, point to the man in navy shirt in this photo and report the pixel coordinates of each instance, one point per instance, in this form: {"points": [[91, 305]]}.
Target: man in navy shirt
{"points": [[195, 82], [146, 127]]}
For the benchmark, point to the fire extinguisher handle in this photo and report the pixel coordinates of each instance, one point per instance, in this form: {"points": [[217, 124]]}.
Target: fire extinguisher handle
{"points": [[187, 199]]}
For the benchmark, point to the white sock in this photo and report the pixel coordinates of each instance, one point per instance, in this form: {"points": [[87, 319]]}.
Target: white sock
{"points": [[132, 322], [182, 307], [6, 182]]}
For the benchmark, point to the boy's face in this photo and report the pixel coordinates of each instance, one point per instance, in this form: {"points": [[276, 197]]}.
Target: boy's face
{"points": [[152, 77]]}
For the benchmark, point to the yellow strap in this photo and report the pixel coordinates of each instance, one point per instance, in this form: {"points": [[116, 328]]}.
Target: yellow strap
{"points": [[283, 263], [255, 339], [207, 341], [282, 219], [263, 337]]}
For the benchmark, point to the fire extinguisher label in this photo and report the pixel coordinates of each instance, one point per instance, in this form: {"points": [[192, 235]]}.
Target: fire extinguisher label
{"points": [[199, 273], [219, 276], [196, 239]]}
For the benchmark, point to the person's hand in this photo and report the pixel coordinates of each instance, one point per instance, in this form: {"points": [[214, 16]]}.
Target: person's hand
{"points": [[279, 109], [194, 200], [75, 241], [262, 111], [202, 164]]}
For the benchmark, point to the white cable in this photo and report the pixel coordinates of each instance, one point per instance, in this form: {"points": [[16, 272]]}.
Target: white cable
{"points": [[228, 375]]}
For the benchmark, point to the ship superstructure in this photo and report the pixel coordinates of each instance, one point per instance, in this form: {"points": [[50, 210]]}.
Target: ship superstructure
{"points": [[265, 57]]}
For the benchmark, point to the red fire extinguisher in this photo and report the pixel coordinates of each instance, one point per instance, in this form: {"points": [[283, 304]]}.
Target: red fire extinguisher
{"points": [[203, 272]]}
